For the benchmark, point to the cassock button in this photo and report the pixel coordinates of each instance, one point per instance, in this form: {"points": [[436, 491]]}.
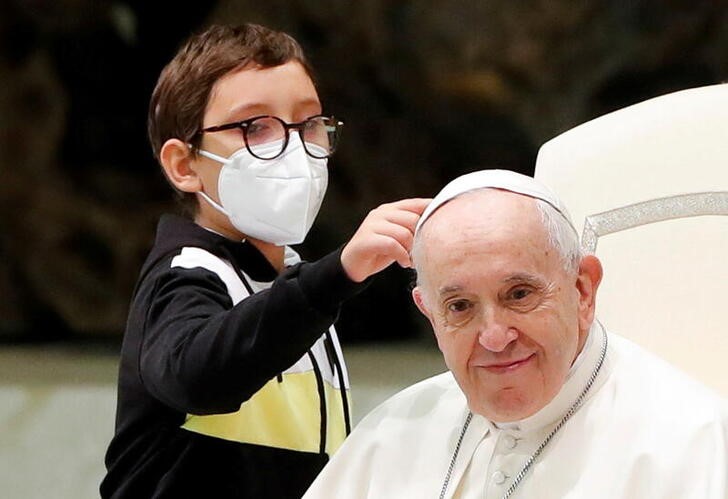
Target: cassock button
{"points": [[498, 477], [510, 441]]}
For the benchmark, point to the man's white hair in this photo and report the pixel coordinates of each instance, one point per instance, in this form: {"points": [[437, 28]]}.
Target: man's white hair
{"points": [[561, 235]]}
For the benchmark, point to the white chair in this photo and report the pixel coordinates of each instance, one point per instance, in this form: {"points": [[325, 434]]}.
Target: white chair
{"points": [[647, 187]]}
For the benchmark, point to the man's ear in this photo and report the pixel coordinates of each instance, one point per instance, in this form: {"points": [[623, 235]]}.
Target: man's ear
{"points": [[177, 159], [419, 299], [420, 302], [587, 283]]}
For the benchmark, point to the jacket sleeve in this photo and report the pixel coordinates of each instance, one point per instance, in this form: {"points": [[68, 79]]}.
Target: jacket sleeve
{"points": [[201, 355]]}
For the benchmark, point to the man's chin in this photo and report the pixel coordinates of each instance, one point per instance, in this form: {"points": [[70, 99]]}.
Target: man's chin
{"points": [[506, 406]]}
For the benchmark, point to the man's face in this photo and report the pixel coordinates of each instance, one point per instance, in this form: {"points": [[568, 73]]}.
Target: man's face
{"points": [[508, 317]]}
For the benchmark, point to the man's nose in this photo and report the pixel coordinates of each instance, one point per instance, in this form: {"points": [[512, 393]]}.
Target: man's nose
{"points": [[495, 334]]}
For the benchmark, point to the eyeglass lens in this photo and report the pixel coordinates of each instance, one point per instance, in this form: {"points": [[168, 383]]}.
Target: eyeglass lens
{"points": [[265, 136]]}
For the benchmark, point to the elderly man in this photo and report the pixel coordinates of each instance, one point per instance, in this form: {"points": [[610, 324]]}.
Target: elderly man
{"points": [[540, 401]]}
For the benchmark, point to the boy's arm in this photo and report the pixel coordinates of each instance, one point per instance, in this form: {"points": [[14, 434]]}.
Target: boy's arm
{"points": [[202, 355], [199, 355]]}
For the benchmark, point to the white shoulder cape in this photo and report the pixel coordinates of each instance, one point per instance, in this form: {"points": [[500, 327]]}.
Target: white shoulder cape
{"points": [[646, 431]]}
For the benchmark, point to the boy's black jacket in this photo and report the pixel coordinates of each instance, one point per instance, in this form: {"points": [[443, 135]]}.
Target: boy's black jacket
{"points": [[194, 350]]}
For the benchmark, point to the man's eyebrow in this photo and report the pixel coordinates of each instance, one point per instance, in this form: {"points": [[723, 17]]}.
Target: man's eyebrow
{"points": [[449, 289], [523, 278]]}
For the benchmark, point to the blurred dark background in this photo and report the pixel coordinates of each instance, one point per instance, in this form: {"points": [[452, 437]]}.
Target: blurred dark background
{"points": [[428, 90]]}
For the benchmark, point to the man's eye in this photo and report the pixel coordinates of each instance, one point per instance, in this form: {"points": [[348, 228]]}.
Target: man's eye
{"points": [[520, 293], [523, 298], [458, 313], [459, 306]]}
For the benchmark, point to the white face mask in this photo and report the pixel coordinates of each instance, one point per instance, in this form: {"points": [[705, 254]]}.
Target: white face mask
{"points": [[274, 200]]}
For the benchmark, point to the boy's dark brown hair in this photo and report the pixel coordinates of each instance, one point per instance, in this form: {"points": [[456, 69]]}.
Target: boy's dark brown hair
{"points": [[180, 98]]}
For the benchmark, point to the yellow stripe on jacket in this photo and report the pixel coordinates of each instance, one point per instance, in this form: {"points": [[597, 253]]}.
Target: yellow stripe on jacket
{"points": [[283, 414]]}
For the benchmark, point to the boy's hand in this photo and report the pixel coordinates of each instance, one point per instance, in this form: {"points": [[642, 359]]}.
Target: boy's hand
{"points": [[385, 236]]}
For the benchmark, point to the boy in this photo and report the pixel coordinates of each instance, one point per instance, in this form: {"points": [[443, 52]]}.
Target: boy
{"points": [[231, 380]]}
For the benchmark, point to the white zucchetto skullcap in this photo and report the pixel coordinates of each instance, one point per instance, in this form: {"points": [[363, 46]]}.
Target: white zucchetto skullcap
{"points": [[497, 179]]}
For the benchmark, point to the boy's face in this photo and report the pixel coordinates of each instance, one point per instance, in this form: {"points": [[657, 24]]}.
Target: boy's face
{"points": [[285, 91]]}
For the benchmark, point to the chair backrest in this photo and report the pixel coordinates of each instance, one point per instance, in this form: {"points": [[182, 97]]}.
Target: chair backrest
{"points": [[647, 187]]}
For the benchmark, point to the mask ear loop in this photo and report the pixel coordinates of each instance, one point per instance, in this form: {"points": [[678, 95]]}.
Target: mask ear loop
{"points": [[213, 156], [207, 198], [213, 203], [209, 155]]}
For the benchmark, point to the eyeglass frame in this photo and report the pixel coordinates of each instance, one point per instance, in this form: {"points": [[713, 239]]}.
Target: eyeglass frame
{"points": [[243, 126]]}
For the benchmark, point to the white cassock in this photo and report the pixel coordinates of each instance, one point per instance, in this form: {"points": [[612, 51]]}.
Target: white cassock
{"points": [[644, 431]]}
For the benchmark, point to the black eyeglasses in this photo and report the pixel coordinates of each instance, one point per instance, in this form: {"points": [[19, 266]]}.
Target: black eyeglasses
{"points": [[266, 137]]}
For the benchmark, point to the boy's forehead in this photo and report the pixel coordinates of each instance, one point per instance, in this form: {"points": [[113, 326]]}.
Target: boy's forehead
{"points": [[250, 90]]}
